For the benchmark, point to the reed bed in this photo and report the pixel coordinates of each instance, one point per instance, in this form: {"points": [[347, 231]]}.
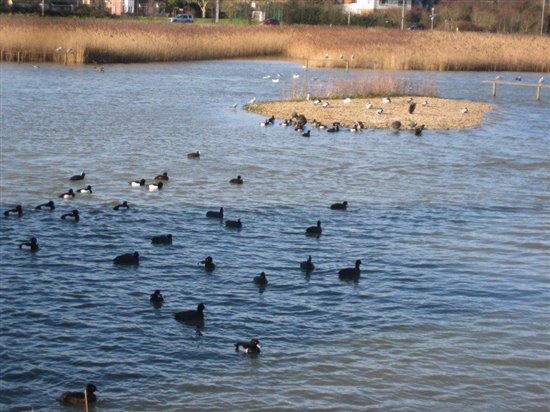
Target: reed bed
{"points": [[130, 41]]}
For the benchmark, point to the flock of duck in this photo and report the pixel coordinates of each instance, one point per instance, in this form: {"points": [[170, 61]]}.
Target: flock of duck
{"points": [[192, 317], [299, 121]]}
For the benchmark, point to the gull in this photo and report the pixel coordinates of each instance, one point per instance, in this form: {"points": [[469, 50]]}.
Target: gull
{"points": [[308, 96], [266, 77], [499, 77], [326, 105], [317, 102], [465, 110], [347, 100], [369, 106], [234, 106], [275, 80], [295, 76], [380, 111], [58, 49], [252, 101], [386, 100], [425, 103], [409, 100], [541, 80]]}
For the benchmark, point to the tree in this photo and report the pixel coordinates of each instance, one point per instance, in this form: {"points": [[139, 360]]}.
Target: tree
{"points": [[203, 4]]}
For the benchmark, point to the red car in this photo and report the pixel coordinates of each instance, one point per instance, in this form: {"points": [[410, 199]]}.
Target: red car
{"points": [[270, 22]]}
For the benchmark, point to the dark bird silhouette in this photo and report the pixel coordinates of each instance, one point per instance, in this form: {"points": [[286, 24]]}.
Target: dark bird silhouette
{"points": [[77, 398], [156, 298], [314, 230], [307, 265], [17, 209], [122, 205], [127, 259], [67, 195], [418, 130], [412, 107], [396, 125], [32, 245], [209, 264], [191, 316], [50, 205], [306, 134], [339, 206], [236, 180], [214, 214], [163, 176], [194, 155], [74, 214], [260, 279], [252, 347], [351, 273], [162, 239], [234, 224], [78, 177]]}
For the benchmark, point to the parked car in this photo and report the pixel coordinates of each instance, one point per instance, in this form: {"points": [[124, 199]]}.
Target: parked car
{"points": [[182, 18], [270, 22], [417, 26]]}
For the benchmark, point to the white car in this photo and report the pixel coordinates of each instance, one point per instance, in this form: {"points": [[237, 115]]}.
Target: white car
{"points": [[182, 18]]}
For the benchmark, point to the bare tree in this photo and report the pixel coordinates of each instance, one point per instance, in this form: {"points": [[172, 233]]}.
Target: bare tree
{"points": [[202, 4]]}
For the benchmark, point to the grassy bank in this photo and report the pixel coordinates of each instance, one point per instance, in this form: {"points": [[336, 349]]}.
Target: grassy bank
{"points": [[130, 41]]}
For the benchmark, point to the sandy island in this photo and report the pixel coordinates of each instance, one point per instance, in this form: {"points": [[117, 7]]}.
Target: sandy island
{"points": [[438, 114]]}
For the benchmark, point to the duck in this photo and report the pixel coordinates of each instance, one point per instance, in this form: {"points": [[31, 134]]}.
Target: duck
{"points": [[214, 214], [208, 263], [154, 187], [425, 103], [122, 205], [412, 123], [67, 195], [314, 230], [418, 130], [380, 111], [410, 100], [32, 245], [74, 214], [137, 183], [339, 206], [252, 347], [78, 177], [156, 298], [162, 239], [191, 316], [127, 259], [78, 398], [85, 190], [194, 155], [386, 100], [306, 134], [333, 129], [164, 177], [307, 265], [236, 180], [396, 125], [351, 273], [50, 205], [465, 110], [412, 107], [260, 279], [17, 209], [234, 223]]}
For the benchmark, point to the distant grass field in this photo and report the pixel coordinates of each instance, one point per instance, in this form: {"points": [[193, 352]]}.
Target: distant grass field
{"points": [[138, 41]]}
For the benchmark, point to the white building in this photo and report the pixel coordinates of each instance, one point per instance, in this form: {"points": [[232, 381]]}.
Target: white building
{"points": [[369, 6]]}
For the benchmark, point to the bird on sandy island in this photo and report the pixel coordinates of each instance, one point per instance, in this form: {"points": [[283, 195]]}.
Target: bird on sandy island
{"points": [[412, 107]]}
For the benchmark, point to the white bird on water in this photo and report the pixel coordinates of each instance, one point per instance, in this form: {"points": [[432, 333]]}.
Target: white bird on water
{"points": [[252, 101], [275, 80], [266, 77], [295, 76], [499, 77], [541, 80]]}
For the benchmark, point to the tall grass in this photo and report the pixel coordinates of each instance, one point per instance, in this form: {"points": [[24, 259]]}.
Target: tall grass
{"points": [[129, 41]]}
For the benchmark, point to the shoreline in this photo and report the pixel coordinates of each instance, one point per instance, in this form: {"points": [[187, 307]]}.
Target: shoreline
{"points": [[438, 114]]}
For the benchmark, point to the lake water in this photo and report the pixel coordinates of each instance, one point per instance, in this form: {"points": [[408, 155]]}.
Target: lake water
{"points": [[452, 309]]}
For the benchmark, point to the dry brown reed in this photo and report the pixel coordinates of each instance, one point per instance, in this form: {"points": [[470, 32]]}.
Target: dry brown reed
{"points": [[128, 41]]}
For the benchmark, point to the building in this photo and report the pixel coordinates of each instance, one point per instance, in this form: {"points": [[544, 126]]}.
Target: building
{"points": [[369, 6]]}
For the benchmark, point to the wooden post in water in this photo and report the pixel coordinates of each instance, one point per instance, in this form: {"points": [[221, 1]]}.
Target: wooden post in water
{"points": [[347, 65], [18, 57], [538, 92], [494, 89], [66, 57], [86, 399]]}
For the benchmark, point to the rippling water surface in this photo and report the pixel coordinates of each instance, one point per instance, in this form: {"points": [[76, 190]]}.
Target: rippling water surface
{"points": [[452, 308]]}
